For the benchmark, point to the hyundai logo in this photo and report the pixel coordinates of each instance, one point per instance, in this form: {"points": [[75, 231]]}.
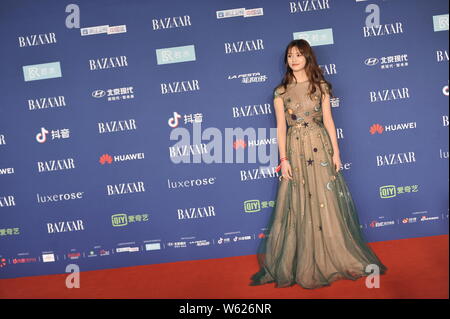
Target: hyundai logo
{"points": [[98, 93], [371, 61]]}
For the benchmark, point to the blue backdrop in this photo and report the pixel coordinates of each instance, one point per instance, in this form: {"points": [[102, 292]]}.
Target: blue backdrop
{"points": [[142, 132]]}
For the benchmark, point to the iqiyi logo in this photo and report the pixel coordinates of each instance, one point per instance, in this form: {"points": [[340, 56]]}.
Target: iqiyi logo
{"points": [[252, 206], [389, 191], [255, 205], [119, 220]]}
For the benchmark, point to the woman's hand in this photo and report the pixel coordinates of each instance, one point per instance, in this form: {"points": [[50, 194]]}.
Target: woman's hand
{"points": [[337, 162], [286, 170]]}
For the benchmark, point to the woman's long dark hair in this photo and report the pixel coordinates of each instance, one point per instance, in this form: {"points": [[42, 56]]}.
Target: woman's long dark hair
{"points": [[313, 71]]}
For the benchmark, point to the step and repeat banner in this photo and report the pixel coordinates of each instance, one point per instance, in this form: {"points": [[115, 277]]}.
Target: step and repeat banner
{"points": [[140, 132]]}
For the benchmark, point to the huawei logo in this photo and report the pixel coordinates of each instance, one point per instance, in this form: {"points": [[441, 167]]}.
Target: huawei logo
{"points": [[239, 143], [376, 128], [105, 158]]}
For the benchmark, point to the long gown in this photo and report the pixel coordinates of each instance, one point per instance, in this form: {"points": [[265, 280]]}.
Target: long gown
{"points": [[314, 233]]}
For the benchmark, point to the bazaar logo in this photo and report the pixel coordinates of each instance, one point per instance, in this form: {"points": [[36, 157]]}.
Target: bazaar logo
{"points": [[303, 6], [46, 102], [244, 46], [38, 39], [172, 22], [108, 63], [383, 29]]}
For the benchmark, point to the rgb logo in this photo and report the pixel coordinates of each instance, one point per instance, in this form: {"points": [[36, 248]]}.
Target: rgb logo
{"points": [[119, 220]]}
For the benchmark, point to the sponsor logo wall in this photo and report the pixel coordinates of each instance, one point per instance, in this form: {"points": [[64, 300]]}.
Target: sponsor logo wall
{"points": [[147, 135]]}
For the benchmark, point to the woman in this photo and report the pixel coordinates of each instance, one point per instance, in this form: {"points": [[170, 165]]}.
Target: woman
{"points": [[315, 236]]}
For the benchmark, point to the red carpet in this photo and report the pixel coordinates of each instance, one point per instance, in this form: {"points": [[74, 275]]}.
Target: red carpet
{"points": [[418, 268]]}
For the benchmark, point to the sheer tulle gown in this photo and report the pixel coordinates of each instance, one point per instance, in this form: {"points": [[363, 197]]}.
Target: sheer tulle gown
{"points": [[314, 236]]}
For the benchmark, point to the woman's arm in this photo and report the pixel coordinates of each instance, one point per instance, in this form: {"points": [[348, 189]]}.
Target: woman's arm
{"points": [[281, 125]]}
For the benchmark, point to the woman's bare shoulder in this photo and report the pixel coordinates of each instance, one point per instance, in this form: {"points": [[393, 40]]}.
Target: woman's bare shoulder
{"points": [[279, 90]]}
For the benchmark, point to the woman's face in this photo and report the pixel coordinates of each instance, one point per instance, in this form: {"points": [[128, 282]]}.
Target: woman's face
{"points": [[296, 60]]}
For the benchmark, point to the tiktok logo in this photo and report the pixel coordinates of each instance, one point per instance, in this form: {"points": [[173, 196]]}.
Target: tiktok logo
{"points": [[173, 121], [42, 137]]}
